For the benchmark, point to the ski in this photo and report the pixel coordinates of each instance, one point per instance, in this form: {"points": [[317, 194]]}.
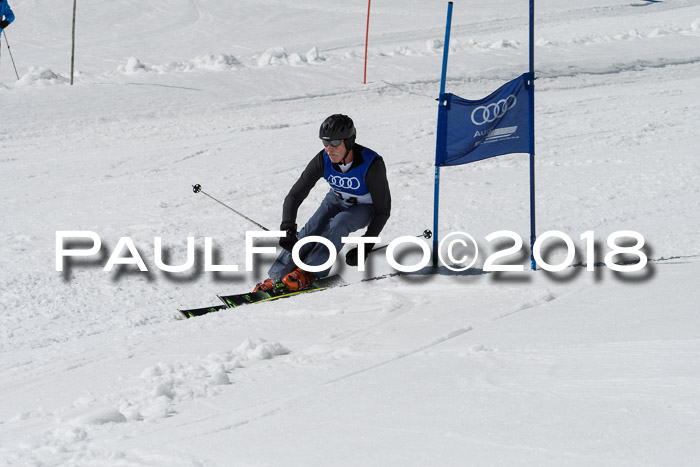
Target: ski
{"points": [[191, 313], [249, 298]]}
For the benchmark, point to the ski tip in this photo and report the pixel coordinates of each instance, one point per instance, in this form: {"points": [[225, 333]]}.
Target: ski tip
{"points": [[185, 314]]}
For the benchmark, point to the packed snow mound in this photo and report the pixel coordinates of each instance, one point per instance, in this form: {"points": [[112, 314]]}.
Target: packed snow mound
{"points": [[207, 62], [42, 75], [280, 56], [133, 65], [212, 62], [434, 46], [164, 385], [273, 56], [224, 62]]}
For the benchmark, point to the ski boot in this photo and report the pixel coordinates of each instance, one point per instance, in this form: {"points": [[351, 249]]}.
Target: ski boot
{"points": [[298, 280], [268, 285]]}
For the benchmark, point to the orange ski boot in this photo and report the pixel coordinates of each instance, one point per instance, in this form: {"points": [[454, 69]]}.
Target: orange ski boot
{"points": [[268, 285], [298, 280]]}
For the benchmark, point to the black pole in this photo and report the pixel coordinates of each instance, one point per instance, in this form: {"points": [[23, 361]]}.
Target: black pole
{"points": [[72, 52], [426, 234], [11, 57], [198, 189]]}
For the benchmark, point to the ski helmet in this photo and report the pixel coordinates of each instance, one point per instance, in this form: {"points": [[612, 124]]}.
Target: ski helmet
{"points": [[336, 127]]}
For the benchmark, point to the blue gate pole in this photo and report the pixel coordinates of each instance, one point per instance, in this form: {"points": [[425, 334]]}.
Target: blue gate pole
{"points": [[441, 102], [531, 91]]}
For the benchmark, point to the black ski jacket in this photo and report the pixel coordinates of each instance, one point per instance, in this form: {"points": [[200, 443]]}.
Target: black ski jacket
{"points": [[375, 179]]}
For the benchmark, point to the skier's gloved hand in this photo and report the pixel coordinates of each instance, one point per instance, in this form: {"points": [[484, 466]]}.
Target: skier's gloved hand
{"points": [[288, 241], [351, 256], [4, 23]]}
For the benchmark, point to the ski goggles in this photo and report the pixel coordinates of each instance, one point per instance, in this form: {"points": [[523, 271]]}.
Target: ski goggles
{"points": [[331, 142]]}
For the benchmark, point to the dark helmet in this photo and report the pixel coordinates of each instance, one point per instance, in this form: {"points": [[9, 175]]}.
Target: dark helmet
{"points": [[338, 126]]}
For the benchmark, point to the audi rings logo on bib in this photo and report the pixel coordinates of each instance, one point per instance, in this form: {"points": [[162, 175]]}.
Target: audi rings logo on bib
{"points": [[349, 183], [489, 113]]}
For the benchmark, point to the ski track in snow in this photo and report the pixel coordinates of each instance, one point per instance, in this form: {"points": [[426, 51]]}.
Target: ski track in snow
{"points": [[399, 304], [162, 389]]}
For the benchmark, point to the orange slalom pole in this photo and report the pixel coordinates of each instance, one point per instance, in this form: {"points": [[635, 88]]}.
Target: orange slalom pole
{"points": [[369, 2]]}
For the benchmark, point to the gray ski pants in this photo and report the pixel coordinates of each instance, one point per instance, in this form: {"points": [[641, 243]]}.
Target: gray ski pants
{"points": [[332, 220]]}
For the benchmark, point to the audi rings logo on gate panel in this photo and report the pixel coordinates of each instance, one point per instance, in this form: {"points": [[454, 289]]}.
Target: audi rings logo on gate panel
{"points": [[350, 183], [489, 113]]}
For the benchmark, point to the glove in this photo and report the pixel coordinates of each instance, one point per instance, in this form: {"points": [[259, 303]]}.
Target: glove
{"points": [[4, 23], [287, 242], [351, 256]]}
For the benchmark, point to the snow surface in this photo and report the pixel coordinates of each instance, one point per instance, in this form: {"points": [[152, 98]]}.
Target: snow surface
{"points": [[575, 368]]}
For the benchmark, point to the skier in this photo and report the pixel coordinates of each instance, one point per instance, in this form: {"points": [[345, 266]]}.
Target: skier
{"points": [[6, 15], [359, 197]]}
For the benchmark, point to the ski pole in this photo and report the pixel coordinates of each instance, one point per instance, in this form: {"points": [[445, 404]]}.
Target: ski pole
{"points": [[10, 51], [198, 189], [426, 234]]}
